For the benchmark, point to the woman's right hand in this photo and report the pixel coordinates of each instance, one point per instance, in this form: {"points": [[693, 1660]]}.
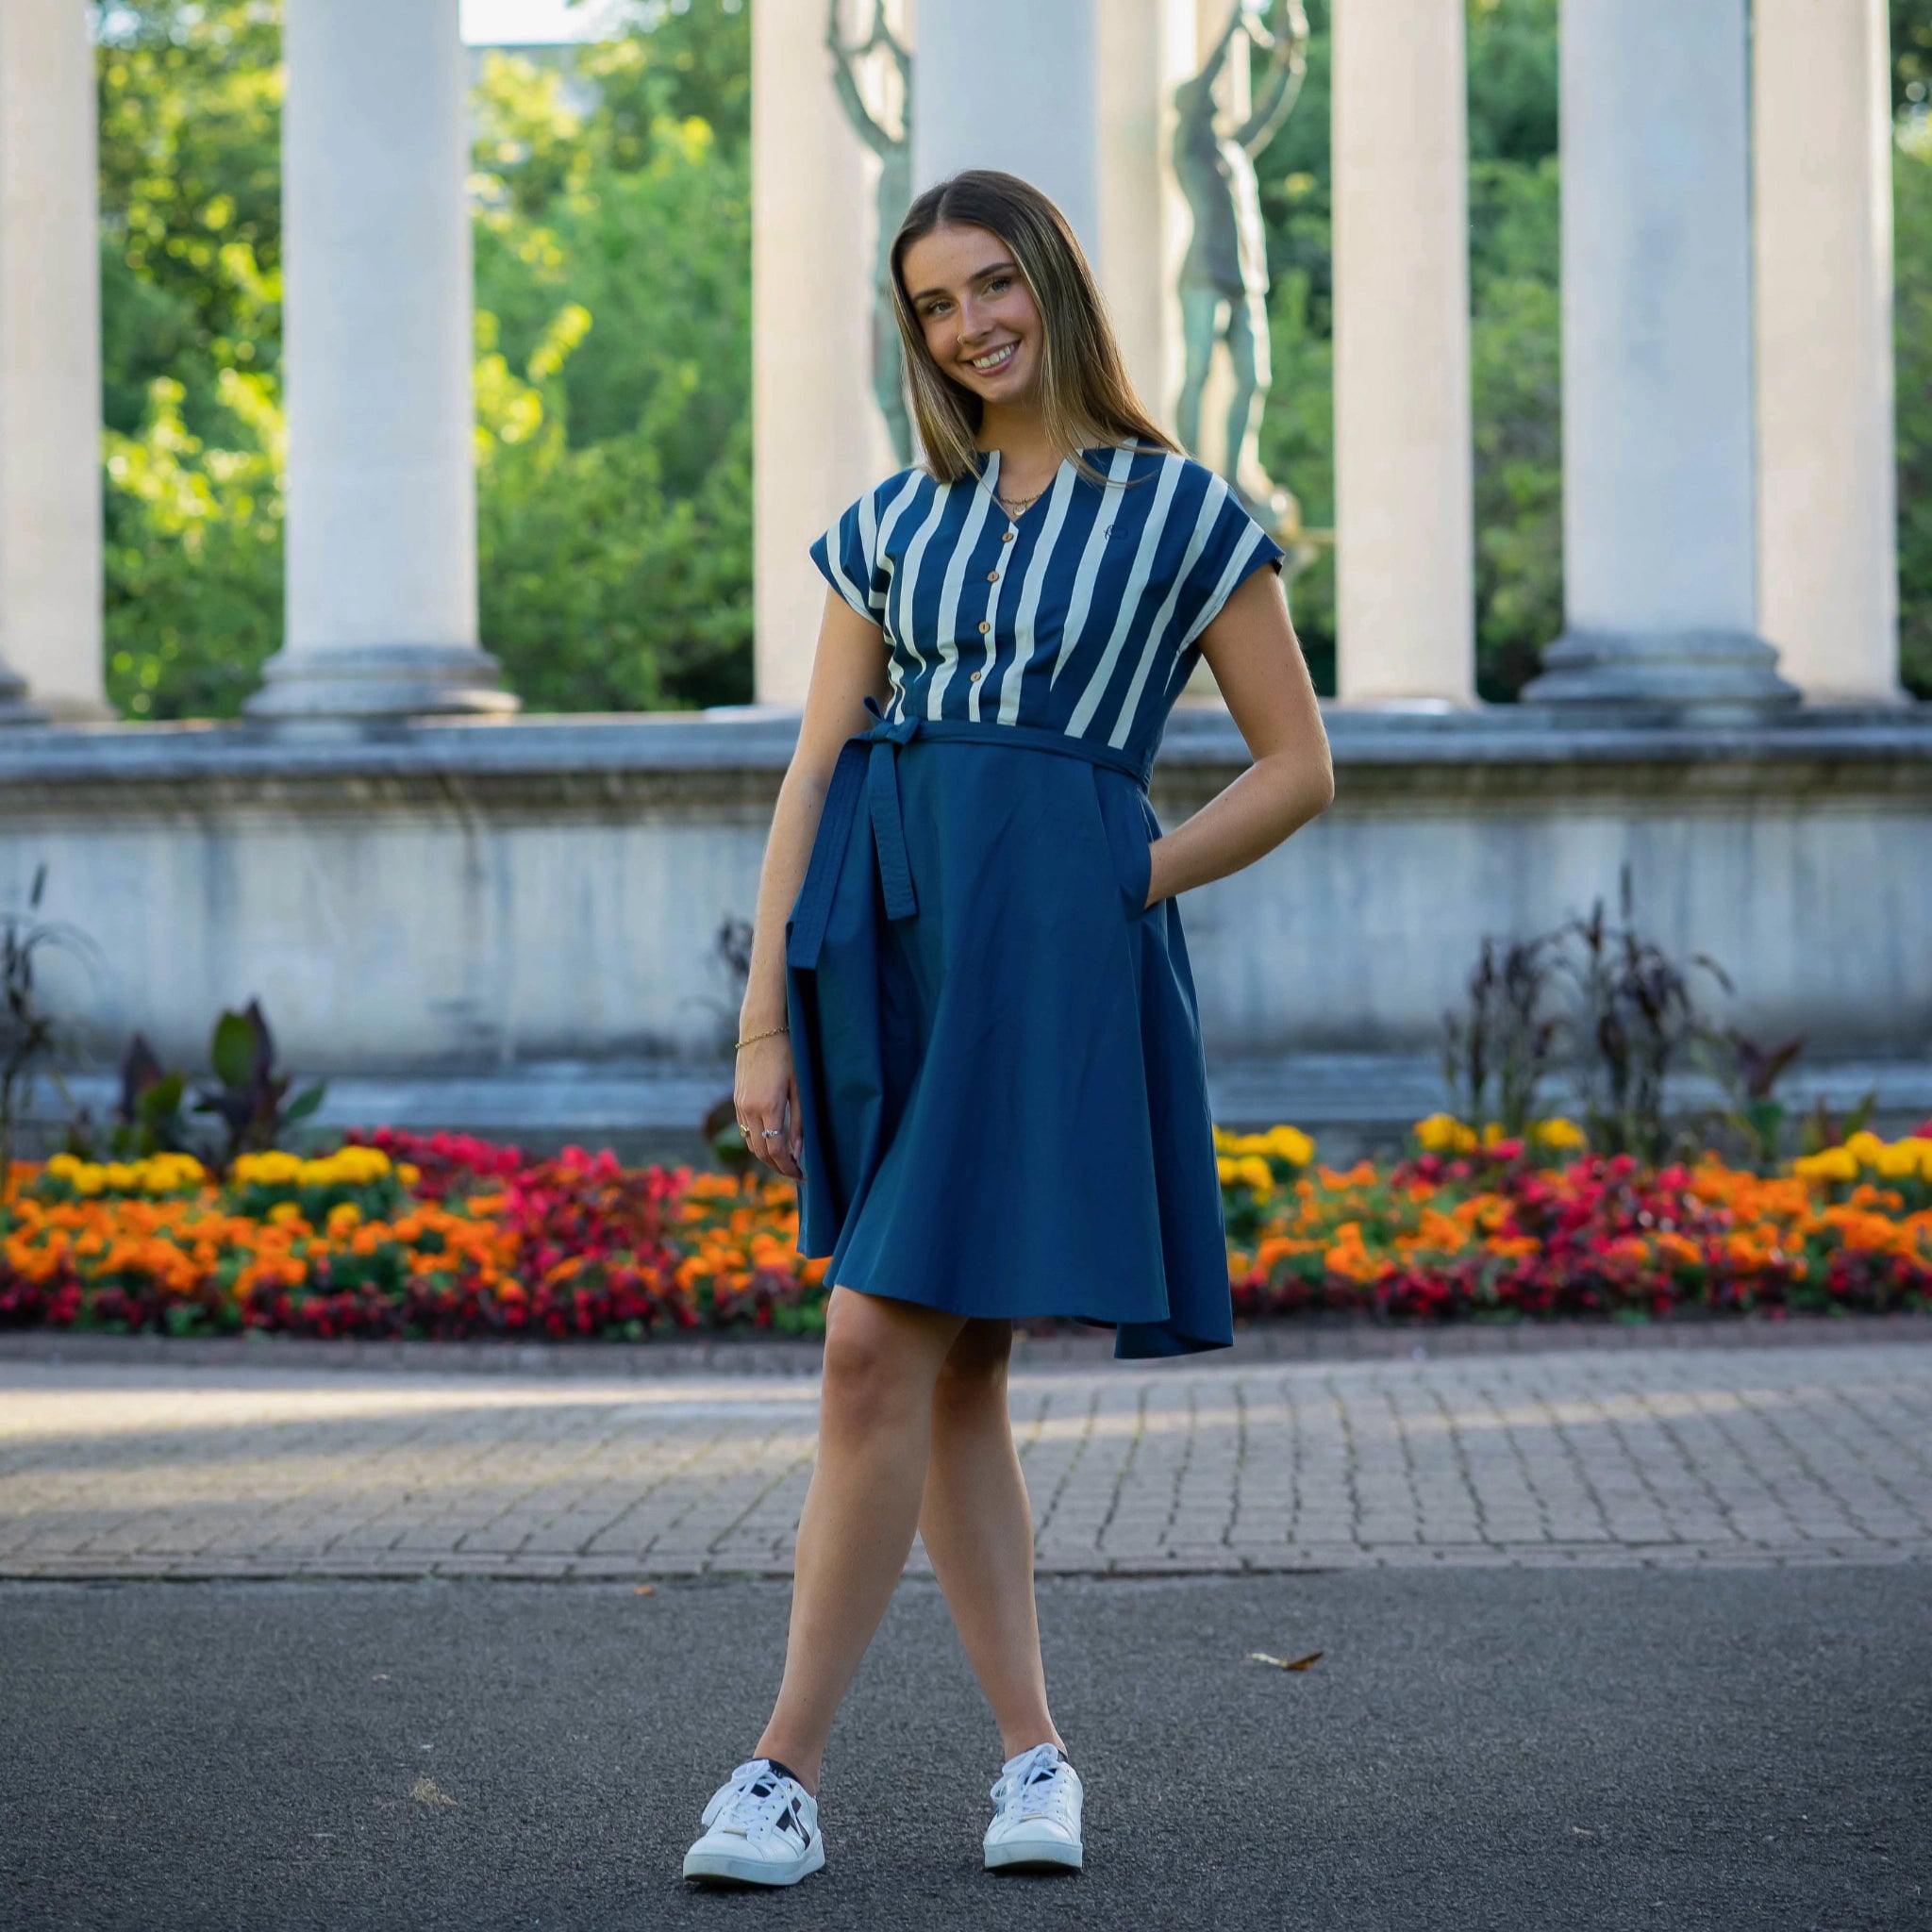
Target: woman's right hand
{"points": [[766, 1096]]}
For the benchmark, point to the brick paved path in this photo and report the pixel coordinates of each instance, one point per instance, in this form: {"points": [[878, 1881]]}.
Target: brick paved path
{"points": [[1640, 1455]]}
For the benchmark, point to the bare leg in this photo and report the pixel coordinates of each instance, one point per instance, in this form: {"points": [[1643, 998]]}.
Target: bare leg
{"points": [[978, 1531], [882, 1358]]}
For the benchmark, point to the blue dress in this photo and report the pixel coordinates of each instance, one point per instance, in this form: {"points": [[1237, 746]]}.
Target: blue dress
{"points": [[1004, 1103]]}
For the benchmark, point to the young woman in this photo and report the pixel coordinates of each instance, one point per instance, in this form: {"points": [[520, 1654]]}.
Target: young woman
{"points": [[977, 1051]]}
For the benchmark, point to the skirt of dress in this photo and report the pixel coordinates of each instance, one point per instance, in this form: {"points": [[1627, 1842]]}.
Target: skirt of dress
{"points": [[1004, 1103]]}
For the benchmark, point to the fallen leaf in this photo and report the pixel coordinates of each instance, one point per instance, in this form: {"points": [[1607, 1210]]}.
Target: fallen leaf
{"points": [[1282, 1663], [645, 1589], [425, 1792], [380, 1677]]}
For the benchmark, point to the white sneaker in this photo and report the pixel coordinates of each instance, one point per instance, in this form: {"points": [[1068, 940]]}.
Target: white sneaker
{"points": [[764, 1829], [1038, 1818]]}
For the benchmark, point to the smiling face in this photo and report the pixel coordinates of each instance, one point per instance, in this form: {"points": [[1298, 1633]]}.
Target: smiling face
{"points": [[974, 311]]}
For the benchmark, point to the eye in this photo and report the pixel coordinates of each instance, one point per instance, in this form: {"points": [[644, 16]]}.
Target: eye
{"points": [[999, 282]]}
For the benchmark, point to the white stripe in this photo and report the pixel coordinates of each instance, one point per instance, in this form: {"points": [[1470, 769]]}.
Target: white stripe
{"points": [[1251, 541], [848, 589], [949, 597], [1039, 567], [1212, 500], [1131, 594], [888, 524], [1082, 597], [868, 544], [906, 583]]}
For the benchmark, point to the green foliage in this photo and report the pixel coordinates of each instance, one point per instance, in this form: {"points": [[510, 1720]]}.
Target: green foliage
{"points": [[615, 301], [32, 1040], [613, 352], [613, 375], [1912, 216], [247, 1093], [1516, 396], [1515, 346]]}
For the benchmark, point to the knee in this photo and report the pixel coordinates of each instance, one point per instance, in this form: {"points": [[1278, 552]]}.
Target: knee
{"points": [[974, 1375], [867, 1377]]}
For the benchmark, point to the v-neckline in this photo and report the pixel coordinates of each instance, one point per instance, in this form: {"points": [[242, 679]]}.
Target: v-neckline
{"points": [[990, 476]]}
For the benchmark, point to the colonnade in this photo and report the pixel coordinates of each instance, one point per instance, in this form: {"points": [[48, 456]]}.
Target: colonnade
{"points": [[1727, 389]]}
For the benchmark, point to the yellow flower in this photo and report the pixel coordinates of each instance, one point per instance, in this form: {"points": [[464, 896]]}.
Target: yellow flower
{"points": [[1834, 1165], [1865, 1148], [1898, 1162], [1289, 1144], [1558, 1132], [1442, 1133], [272, 1170]]}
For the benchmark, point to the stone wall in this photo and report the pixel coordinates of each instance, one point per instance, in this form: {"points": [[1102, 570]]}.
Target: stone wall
{"points": [[535, 902]]}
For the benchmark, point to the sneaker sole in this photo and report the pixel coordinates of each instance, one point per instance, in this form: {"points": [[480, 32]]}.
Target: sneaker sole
{"points": [[737, 1871], [1040, 1852]]}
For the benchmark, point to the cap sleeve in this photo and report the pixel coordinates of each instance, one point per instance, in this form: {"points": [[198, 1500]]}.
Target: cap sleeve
{"points": [[1237, 547], [847, 556]]}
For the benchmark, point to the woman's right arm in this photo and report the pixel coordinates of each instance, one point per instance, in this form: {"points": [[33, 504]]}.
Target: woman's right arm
{"points": [[848, 666]]}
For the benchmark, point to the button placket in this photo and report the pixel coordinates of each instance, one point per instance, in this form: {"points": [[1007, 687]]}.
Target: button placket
{"points": [[988, 624]]}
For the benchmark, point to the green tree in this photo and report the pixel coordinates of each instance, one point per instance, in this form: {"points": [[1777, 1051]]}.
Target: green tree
{"points": [[612, 376], [616, 543]]}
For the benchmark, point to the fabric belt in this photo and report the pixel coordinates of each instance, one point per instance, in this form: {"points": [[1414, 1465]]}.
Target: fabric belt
{"points": [[867, 761]]}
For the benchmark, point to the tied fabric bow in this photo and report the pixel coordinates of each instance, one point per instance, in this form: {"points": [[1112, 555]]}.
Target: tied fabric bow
{"points": [[866, 760]]}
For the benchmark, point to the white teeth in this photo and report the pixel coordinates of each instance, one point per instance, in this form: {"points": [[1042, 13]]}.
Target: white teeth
{"points": [[995, 358]]}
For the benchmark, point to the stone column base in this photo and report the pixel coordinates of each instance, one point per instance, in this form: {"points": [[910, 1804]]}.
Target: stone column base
{"points": [[15, 707], [1700, 675], [377, 681]]}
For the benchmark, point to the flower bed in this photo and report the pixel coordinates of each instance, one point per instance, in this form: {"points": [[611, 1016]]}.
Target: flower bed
{"points": [[400, 1235]]}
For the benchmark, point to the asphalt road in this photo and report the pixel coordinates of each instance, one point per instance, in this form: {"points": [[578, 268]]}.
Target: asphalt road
{"points": [[1519, 1749]]}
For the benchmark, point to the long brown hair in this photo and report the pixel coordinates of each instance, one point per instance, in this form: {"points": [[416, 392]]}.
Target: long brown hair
{"points": [[1085, 395]]}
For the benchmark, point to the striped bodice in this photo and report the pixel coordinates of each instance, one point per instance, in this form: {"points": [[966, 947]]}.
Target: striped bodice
{"points": [[1080, 615]]}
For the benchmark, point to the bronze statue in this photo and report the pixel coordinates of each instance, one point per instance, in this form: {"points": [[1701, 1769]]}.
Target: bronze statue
{"points": [[1223, 278], [894, 196]]}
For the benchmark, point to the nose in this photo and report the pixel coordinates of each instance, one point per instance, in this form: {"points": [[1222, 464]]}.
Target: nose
{"points": [[972, 325]]}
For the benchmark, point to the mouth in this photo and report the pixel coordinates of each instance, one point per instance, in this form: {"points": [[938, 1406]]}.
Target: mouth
{"points": [[994, 359]]}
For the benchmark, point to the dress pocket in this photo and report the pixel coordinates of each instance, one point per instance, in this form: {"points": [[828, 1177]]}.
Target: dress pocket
{"points": [[1128, 844]]}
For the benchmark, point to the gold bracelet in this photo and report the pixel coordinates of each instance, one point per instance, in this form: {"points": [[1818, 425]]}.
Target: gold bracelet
{"points": [[765, 1035]]}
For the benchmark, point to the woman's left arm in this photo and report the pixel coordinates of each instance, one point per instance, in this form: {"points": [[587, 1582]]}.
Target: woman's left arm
{"points": [[1256, 660]]}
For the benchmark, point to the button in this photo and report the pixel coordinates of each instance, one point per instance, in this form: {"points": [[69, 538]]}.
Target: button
{"points": [[975, 678], [984, 626], [1008, 537], [992, 576]]}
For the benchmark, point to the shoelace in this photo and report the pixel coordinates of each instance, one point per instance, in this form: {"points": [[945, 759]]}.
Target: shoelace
{"points": [[751, 1802], [1035, 1787]]}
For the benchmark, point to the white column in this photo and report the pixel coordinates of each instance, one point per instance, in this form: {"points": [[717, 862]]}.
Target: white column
{"points": [[1404, 515], [1827, 508], [50, 367], [1144, 51], [1012, 84], [818, 438], [381, 571], [1660, 501]]}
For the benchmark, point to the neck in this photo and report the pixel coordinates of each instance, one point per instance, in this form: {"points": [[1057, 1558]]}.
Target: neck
{"points": [[1019, 435]]}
